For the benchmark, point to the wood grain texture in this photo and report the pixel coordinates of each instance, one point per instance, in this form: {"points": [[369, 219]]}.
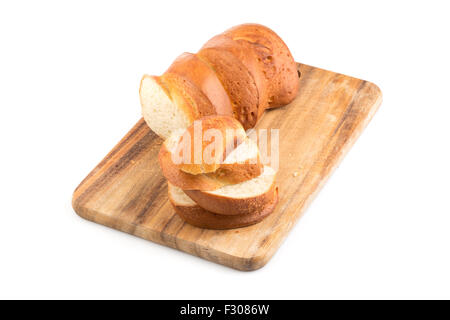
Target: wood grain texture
{"points": [[127, 191]]}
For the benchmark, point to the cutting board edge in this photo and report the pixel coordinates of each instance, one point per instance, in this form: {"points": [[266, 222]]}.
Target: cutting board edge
{"points": [[241, 263]]}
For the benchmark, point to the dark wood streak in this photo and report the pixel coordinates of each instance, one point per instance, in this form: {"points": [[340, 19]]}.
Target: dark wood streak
{"points": [[264, 240], [114, 170], [125, 140], [249, 264], [163, 233], [142, 214], [177, 231], [141, 125], [196, 247]]}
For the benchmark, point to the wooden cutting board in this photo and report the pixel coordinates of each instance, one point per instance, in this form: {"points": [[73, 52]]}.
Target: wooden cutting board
{"points": [[127, 191]]}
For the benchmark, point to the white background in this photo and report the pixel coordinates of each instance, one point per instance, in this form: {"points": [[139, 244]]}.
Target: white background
{"points": [[69, 76]]}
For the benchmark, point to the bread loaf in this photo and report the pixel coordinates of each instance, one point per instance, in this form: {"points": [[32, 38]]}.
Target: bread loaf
{"points": [[216, 178], [237, 81], [241, 72], [249, 57], [279, 65], [209, 140]]}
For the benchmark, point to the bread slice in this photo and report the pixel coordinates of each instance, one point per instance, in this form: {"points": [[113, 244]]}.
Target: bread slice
{"points": [[241, 72], [246, 197], [252, 60], [163, 111], [192, 96], [237, 81], [192, 68], [195, 215], [277, 58], [242, 164], [208, 141], [171, 102]]}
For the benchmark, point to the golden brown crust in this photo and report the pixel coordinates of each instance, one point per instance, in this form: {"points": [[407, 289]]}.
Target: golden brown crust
{"points": [[171, 86], [186, 95], [237, 81], [199, 217], [209, 176], [252, 59], [226, 175], [185, 180], [277, 57], [233, 206], [232, 173], [190, 67], [240, 73]]}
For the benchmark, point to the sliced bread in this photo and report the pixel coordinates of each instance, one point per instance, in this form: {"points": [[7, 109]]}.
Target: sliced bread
{"points": [[195, 215], [160, 109], [207, 142], [242, 164], [246, 197], [171, 102], [239, 73]]}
